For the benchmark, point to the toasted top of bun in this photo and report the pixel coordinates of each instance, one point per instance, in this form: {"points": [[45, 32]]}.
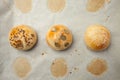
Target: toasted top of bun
{"points": [[59, 37], [22, 37], [97, 37]]}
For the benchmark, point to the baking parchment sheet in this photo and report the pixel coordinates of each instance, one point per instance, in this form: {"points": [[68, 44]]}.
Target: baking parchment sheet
{"points": [[77, 19]]}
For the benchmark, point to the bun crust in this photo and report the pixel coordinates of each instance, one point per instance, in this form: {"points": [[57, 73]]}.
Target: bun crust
{"points": [[59, 37], [22, 37], [97, 37]]}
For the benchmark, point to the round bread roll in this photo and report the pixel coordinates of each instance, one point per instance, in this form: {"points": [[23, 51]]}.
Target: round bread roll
{"points": [[22, 37], [97, 37], [59, 37]]}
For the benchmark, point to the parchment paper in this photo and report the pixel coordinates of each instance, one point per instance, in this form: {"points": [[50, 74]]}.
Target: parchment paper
{"points": [[77, 19]]}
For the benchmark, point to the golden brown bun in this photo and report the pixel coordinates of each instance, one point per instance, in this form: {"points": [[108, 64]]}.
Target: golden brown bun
{"points": [[97, 37], [22, 37], [59, 37]]}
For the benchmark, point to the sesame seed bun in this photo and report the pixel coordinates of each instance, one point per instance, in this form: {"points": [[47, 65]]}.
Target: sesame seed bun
{"points": [[22, 37]]}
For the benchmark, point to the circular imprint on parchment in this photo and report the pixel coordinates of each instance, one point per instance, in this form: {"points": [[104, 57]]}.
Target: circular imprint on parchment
{"points": [[59, 67], [24, 6], [56, 5], [94, 5], [97, 66], [21, 67]]}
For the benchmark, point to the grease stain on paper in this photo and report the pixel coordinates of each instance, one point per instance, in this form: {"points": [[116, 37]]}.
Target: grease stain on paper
{"points": [[59, 67], [95, 5], [21, 67], [24, 6], [56, 5], [97, 66]]}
